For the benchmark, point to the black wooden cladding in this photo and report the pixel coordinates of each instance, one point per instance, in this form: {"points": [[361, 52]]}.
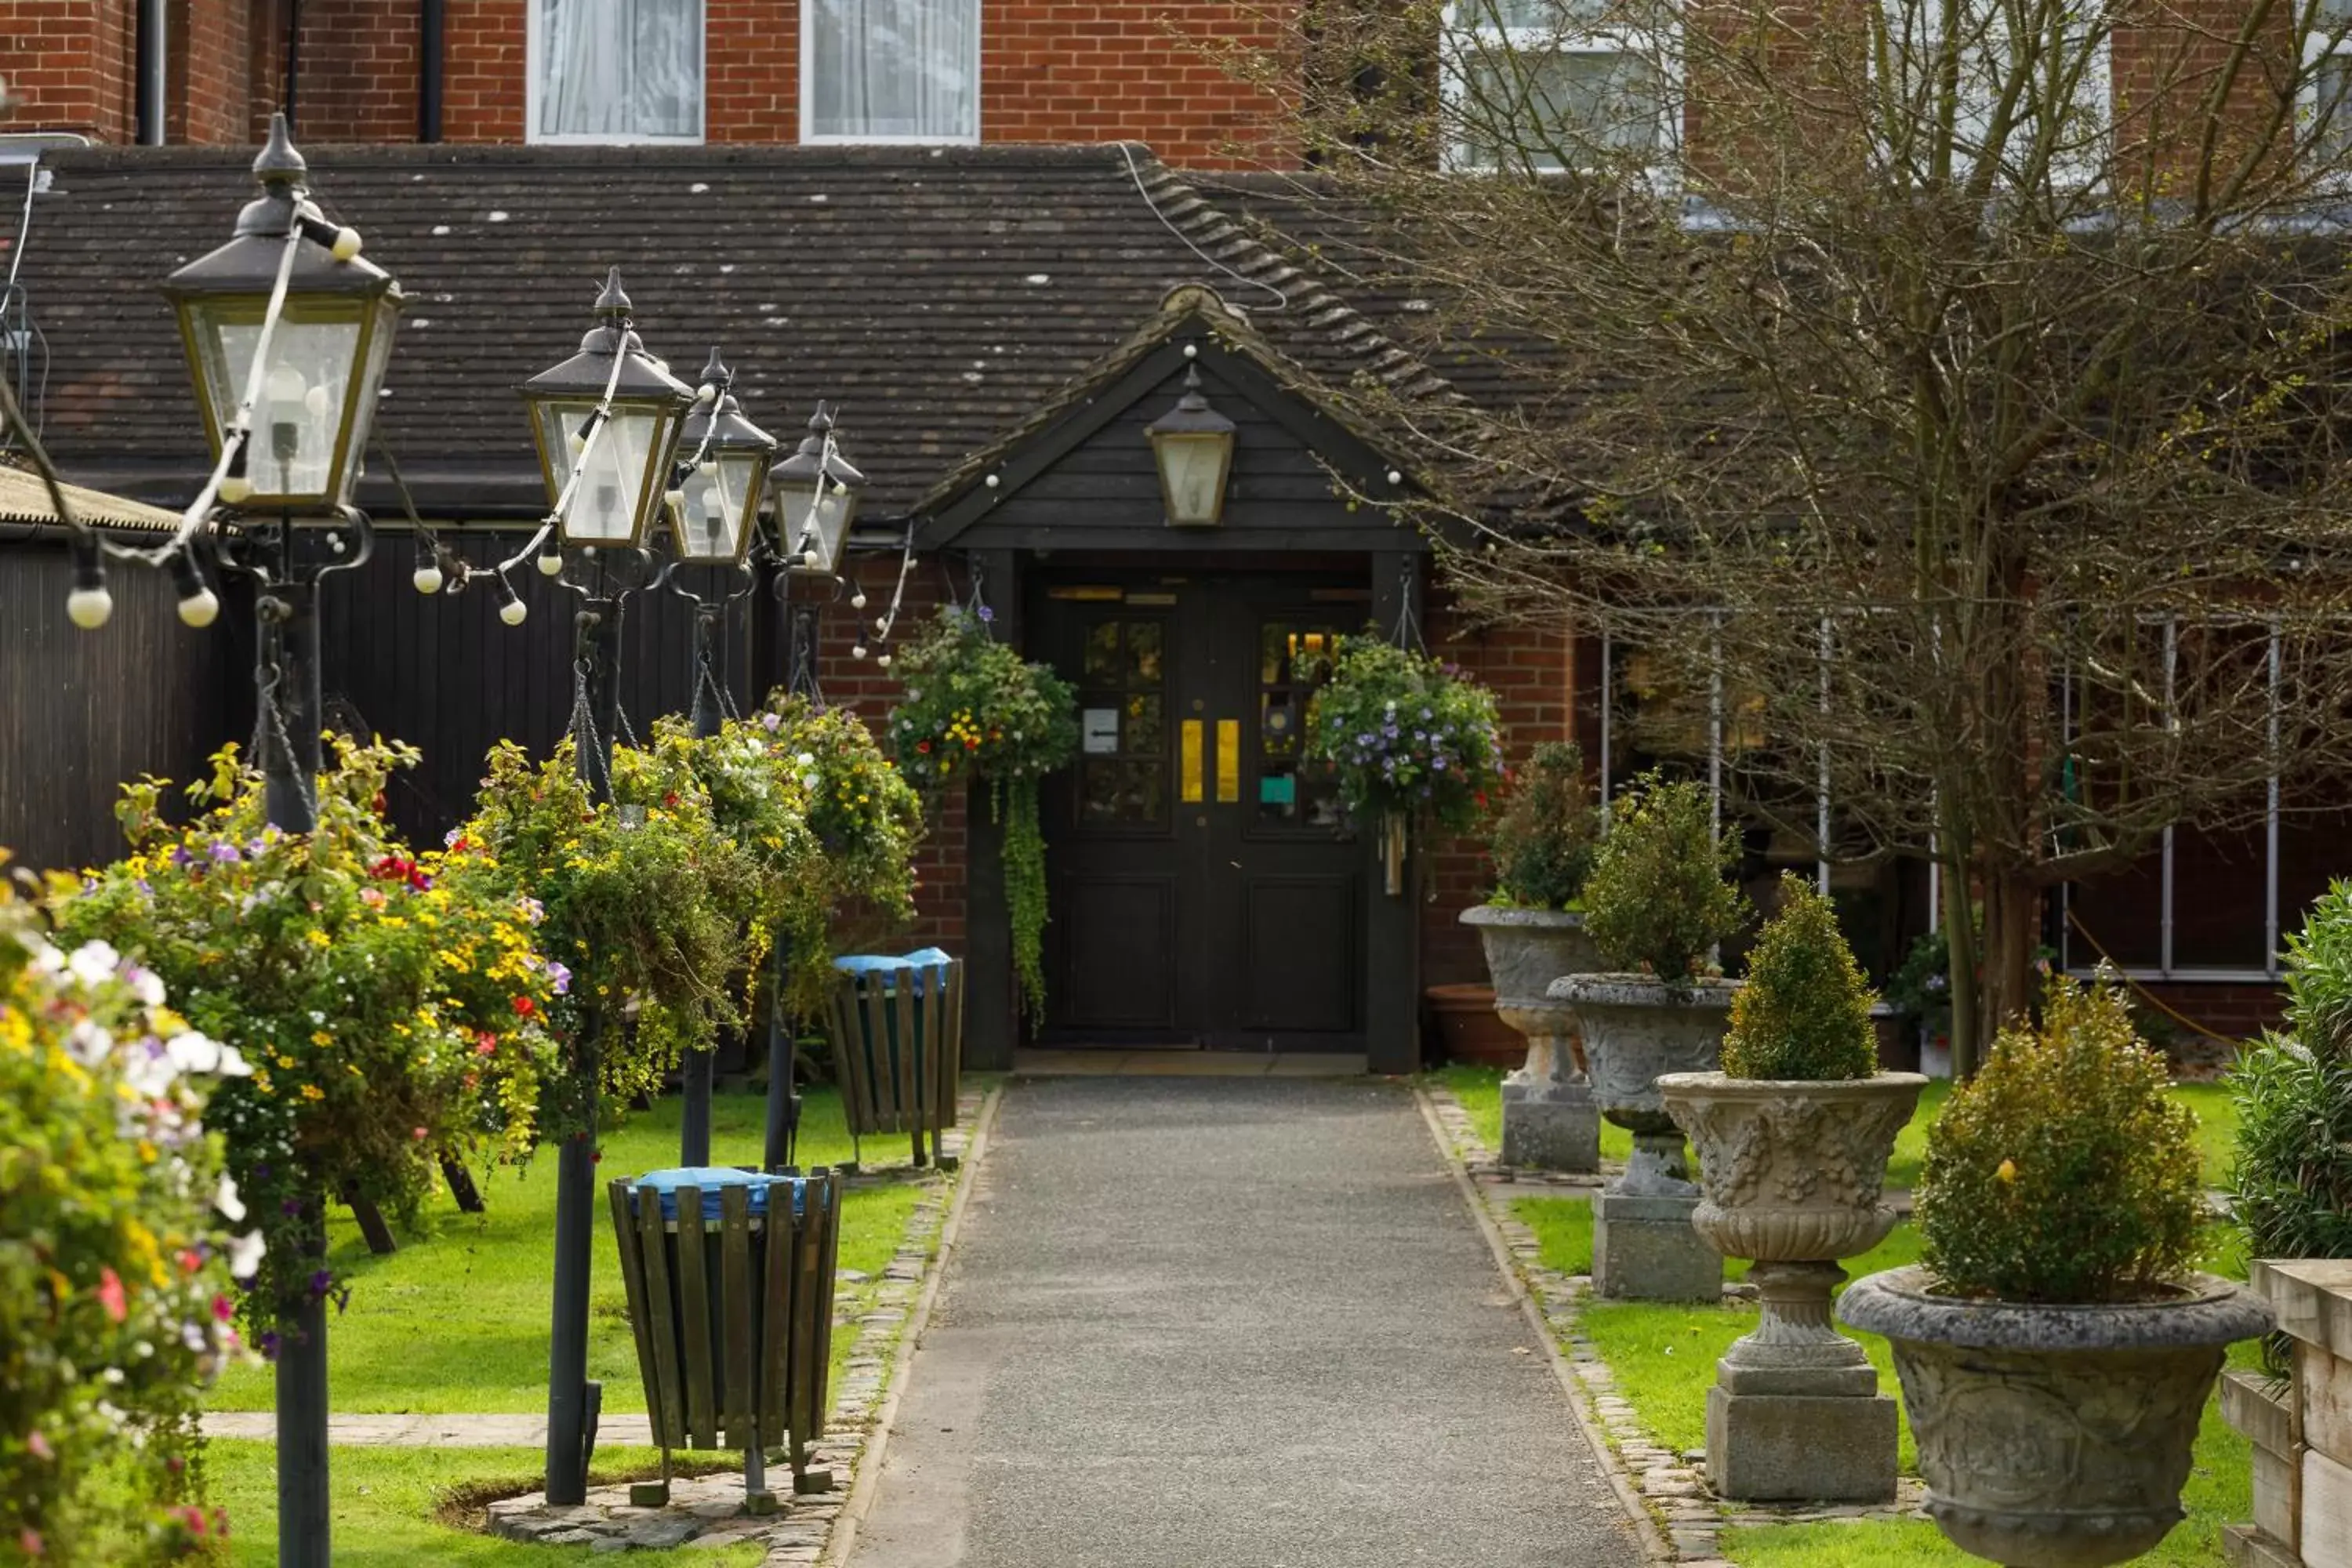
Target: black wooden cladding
{"points": [[445, 673], [81, 712]]}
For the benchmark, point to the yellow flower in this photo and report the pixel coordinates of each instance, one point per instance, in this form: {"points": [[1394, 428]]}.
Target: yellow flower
{"points": [[317, 938], [312, 1092], [320, 1037], [2006, 1170]]}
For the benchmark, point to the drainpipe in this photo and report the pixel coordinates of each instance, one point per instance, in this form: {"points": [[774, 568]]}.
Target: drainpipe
{"points": [[293, 58], [151, 55], [431, 18]]}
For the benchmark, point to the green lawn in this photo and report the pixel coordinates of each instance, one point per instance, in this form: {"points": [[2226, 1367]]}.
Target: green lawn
{"points": [[458, 1319], [386, 1500], [1563, 1229]]}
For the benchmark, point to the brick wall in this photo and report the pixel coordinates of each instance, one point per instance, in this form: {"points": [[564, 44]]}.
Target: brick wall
{"points": [[868, 691], [69, 63], [214, 92], [1528, 671]]}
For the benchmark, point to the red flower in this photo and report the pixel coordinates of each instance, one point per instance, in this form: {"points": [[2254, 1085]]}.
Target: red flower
{"points": [[524, 1006], [391, 867], [923, 746]]}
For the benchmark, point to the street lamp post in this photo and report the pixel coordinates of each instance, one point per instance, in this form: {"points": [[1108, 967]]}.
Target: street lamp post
{"points": [[606, 422], [720, 482], [816, 491], [287, 333]]}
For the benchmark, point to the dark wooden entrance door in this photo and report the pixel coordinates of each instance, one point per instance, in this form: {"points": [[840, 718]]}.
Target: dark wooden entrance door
{"points": [[1206, 889]]}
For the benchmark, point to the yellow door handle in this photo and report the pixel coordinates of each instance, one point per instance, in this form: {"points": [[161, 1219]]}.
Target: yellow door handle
{"points": [[1229, 761], [1189, 747]]}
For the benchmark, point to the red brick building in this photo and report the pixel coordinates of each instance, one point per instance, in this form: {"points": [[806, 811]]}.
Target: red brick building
{"points": [[908, 228]]}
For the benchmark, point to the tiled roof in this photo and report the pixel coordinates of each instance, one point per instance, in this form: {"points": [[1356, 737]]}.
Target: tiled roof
{"points": [[940, 296], [25, 498]]}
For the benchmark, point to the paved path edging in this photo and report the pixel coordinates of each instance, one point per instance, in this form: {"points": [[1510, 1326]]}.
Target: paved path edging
{"points": [[1665, 1490]]}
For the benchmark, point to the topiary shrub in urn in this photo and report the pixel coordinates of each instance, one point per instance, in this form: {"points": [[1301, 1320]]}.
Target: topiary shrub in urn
{"points": [[1542, 845], [1656, 905], [1792, 1138], [2055, 1346]]}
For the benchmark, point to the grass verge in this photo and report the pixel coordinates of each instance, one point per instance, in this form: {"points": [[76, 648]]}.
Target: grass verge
{"points": [[456, 1321]]}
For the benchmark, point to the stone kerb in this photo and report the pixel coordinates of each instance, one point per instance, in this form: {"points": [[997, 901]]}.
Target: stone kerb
{"points": [[2302, 1433], [1549, 1120]]}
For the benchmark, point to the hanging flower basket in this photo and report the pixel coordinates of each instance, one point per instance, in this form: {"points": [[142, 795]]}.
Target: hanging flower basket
{"points": [[974, 708]]}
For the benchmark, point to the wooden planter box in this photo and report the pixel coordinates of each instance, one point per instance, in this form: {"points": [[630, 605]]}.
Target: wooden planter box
{"points": [[2302, 1433], [730, 1304], [898, 1046]]}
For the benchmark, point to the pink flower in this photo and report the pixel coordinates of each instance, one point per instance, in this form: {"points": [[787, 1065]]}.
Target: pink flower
{"points": [[109, 1295], [29, 1542], [38, 1447]]}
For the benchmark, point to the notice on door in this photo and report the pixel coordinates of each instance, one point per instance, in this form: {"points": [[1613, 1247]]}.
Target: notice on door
{"points": [[1100, 731]]}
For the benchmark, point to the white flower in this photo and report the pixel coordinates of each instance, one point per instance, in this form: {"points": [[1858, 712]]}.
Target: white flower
{"points": [[47, 959], [193, 1336], [150, 1073], [233, 1064], [246, 1253], [148, 986], [806, 759], [89, 1044], [94, 961], [192, 1052], [224, 1198]]}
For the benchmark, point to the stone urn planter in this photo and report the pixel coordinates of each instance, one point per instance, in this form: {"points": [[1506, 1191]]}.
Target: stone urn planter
{"points": [[2054, 1436], [1549, 1122], [1790, 1175], [1635, 1031]]}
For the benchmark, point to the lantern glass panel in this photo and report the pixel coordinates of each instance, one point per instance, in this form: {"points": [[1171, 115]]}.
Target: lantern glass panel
{"points": [[606, 507], [718, 499], [305, 389], [832, 522], [1193, 473]]}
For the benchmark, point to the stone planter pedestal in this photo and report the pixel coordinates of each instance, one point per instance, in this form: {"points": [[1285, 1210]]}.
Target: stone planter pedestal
{"points": [[1634, 1030], [1793, 1173], [2302, 1435], [2054, 1436], [1549, 1121]]}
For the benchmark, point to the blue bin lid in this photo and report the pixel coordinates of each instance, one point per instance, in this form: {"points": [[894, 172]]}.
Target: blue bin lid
{"points": [[916, 965], [711, 1179]]}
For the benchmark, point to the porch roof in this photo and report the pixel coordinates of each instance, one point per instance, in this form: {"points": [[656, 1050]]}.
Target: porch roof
{"points": [[942, 297]]}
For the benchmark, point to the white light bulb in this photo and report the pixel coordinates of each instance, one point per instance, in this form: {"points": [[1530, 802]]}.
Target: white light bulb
{"points": [[883, 661], [200, 609], [427, 579], [89, 608], [346, 245], [1191, 350], [513, 611], [993, 481], [235, 489], [858, 601], [704, 393], [314, 402], [675, 499], [285, 384], [1395, 478], [858, 650], [552, 563], [881, 626]]}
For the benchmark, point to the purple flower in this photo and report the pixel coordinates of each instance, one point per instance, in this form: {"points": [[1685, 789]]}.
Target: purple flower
{"points": [[290, 1206], [226, 854], [180, 856], [560, 977], [771, 723], [320, 1282], [261, 1173], [1438, 763], [450, 838], [268, 1345], [986, 614]]}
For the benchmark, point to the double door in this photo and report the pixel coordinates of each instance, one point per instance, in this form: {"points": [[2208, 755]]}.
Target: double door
{"points": [[1206, 889]]}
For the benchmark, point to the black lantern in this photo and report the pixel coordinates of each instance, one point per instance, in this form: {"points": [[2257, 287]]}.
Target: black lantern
{"points": [[723, 473], [816, 499], [611, 412], [1193, 444], [301, 422]]}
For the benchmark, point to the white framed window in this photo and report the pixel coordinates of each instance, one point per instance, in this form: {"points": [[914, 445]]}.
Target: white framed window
{"points": [[1555, 84], [2324, 111], [890, 70], [615, 71], [2059, 41]]}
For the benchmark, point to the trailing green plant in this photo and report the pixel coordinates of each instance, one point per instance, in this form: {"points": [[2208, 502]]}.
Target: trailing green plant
{"points": [[1658, 899], [646, 901], [2290, 1184], [1804, 1013], [759, 796], [975, 709], [392, 1006], [1545, 836], [115, 1248], [2063, 1171], [1405, 733]]}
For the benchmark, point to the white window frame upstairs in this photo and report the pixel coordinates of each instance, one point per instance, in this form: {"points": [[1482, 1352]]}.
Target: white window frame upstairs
{"points": [[1465, 25], [811, 68], [535, 58], [2101, 85], [2330, 37]]}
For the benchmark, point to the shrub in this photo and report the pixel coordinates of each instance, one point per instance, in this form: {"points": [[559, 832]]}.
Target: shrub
{"points": [[2062, 1172], [1543, 839], [113, 1304], [1657, 899], [2291, 1185], [1804, 1013]]}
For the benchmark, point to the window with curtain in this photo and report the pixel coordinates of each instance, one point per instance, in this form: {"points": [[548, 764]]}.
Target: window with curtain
{"points": [[1549, 84], [890, 70], [616, 71]]}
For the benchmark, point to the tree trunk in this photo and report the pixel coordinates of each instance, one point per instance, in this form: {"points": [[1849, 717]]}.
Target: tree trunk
{"points": [[2012, 929], [1960, 967]]}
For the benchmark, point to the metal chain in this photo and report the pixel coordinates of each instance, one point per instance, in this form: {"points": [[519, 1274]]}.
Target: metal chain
{"points": [[273, 714], [1408, 627], [583, 729]]}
